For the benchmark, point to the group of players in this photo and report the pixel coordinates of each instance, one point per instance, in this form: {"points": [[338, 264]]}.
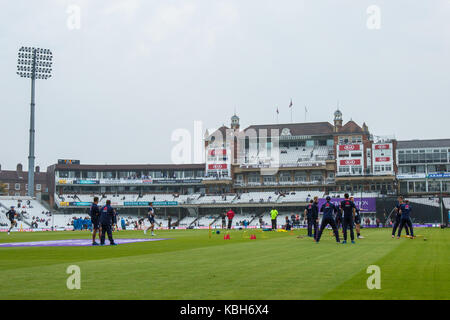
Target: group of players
{"points": [[348, 215], [403, 218], [103, 220]]}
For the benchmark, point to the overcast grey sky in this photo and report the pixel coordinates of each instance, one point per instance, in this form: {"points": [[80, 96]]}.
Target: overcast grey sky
{"points": [[137, 70]]}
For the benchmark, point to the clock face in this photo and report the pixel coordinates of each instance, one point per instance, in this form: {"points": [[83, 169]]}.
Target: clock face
{"points": [[285, 132]]}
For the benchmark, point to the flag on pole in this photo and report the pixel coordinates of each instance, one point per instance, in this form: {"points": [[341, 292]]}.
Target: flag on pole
{"points": [[290, 107]]}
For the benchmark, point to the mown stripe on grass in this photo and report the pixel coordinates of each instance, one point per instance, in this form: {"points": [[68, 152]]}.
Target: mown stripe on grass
{"points": [[415, 269]]}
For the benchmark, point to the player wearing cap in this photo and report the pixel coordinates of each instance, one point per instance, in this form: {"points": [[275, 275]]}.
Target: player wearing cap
{"points": [[328, 209]]}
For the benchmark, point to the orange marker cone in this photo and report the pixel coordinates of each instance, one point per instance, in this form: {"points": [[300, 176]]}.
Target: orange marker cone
{"points": [[226, 237], [253, 237]]}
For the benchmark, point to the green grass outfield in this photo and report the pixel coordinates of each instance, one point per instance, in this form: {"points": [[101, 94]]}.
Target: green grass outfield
{"points": [[192, 266]]}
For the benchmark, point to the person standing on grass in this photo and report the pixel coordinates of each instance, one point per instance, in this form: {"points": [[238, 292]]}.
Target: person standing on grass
{"points": [[230, 216], [106, 219], [273, 217], [338, 220], [94, 213], [405, 211], [114, 221], [349, 210], [328, 210], [122, 222], [315, 215], [357, 220], [398, 217], [308, 215], [224, 222], [151, 219]]}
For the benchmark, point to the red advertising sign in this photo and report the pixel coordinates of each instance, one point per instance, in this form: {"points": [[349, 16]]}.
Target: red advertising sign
{"points": [[217, 166], [349, 147], [214, 152], [350, 162], [382, 159], [382, 146]]}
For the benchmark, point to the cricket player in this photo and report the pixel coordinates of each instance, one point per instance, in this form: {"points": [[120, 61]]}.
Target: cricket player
{"points": [[349, 209], [339, 219], [11, 214], [106, 219], [151, 219], [398, 218], [224, 223], [315, 215], [357, 220], [309, 216], [405, 211], [328, 209], [114, 221], [94, 213]]}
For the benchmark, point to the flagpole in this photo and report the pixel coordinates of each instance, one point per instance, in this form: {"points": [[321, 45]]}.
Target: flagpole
{"points": [[290, 107]]}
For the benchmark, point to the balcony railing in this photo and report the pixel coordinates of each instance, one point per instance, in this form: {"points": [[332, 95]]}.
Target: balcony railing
{"points": [[292, 164], [217, 178], [285, 183]]}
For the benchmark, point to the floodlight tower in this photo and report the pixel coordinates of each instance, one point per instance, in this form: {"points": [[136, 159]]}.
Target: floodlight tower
{"points": [[33, 63]]}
